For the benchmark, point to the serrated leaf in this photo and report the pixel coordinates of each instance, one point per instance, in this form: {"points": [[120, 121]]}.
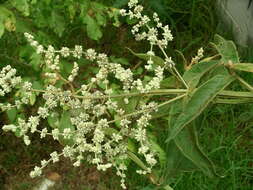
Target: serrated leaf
{"points": [[247, 67], [92, 27], [198, 102], [193, 76], [226, 49]]}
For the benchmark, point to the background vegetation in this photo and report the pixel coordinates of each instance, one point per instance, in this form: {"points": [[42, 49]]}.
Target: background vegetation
{"points": [[225, 131]]}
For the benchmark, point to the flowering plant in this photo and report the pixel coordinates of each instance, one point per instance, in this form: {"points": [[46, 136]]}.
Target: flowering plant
{"points": [[107, 119]]}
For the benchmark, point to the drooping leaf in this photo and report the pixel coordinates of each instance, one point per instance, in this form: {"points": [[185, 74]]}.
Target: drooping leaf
{"points": [[186, 147], [198, 102], [193, 76], [187, 142], [226, 49]]}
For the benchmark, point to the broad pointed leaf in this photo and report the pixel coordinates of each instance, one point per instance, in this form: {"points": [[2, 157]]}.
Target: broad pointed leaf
{"points": [[193, 76], [199, 101], [187, 146], [226, 49]]}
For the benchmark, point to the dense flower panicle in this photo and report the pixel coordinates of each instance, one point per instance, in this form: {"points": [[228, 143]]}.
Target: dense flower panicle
{"points": [[97, 127]]}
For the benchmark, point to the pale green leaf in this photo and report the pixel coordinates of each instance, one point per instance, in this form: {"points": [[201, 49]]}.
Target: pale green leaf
{"points": [[22, 6], [247, 67], [12, 114], [187, 152], [57, 23], [92, 27], [193, 76], [226, 49], [199, 101]]}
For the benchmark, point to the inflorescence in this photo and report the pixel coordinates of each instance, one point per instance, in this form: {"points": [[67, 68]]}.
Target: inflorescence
{"points": [[95, 137]]}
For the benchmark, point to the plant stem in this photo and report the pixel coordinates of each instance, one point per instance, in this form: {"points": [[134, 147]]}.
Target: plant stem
{"points": [[244, 83], [146, 110], [174, 68]]}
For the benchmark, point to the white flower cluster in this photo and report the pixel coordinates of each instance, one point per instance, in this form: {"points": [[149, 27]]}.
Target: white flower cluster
{"points": [[198, 57], [90, 116], [98, 126], [8, 80], [158, 35], [152, 33]]}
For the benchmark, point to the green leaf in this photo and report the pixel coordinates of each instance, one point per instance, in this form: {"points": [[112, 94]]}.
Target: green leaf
{"points": [[187, 143], [167, 187], [93, 29], [193, 76], [226, 49], [35, 61], [136, 160], [64, 124], [53, 120], [32, 98], [101, 19], [12, 114], [7, 18], [198, 102], [247, 67], [1, 29], [22, 6], [159, 151], [57, 23]]}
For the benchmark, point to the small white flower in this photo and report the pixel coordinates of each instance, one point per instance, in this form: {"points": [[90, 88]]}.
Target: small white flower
{"points": [[36, 172], [54, 157], [43, 133]]}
